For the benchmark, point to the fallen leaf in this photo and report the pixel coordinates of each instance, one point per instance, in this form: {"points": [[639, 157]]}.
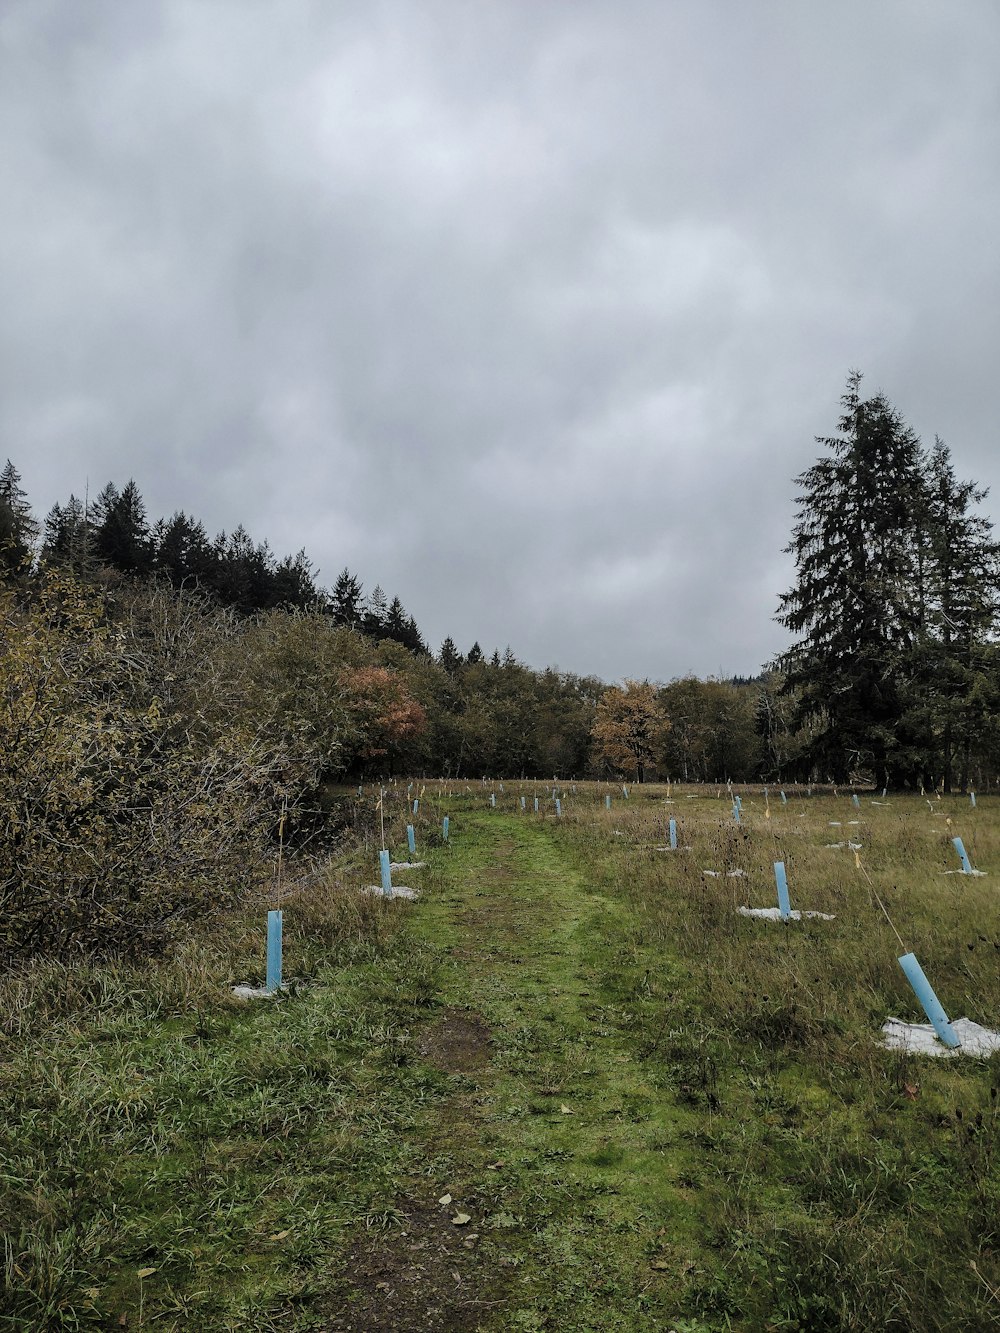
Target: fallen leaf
{"points": [[146, 1272], [279, 1235], [565, 1110], [493, 1166], [660, 1263], [460, 1219], [911, 1090], [444, 1200]]}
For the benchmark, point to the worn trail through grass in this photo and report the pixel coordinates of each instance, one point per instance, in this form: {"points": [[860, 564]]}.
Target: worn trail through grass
{"points": [[567, 1155]]}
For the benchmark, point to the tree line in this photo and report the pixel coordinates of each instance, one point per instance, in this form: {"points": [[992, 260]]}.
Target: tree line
{"points": [[169, 700]]}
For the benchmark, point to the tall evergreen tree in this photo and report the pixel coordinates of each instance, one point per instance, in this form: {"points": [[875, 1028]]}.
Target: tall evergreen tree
{"points": [[347, 602], [18, 527], [293, 584], [953, 668], [183, 552], [375, 613], [67, 537], [122, 538], [449, 657], [853, 603]]}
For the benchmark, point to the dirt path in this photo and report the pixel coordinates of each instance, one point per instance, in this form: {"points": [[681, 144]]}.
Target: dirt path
{"points": [[559, 1152]]}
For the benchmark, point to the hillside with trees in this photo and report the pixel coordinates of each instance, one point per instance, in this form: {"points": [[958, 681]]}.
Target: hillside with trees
{"points": [[167, 694]]}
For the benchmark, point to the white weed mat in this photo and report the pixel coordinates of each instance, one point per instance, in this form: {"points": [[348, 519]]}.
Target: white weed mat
{"points": [[774, 914], [921, 1039]]}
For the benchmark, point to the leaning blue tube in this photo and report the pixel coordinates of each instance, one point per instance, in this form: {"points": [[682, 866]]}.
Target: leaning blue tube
{"points": [[924, 992], [963, 856], [411, 839]]}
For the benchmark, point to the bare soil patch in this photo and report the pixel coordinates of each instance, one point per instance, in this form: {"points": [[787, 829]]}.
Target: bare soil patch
{"points": [[459, 1042], [426, 1276]]}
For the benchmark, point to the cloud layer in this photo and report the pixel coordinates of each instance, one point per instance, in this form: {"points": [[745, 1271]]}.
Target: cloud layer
{"points": [[529, 313]]}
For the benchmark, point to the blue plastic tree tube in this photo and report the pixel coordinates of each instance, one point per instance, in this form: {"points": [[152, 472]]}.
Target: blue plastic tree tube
{"points": [[784, 799], [673, 834], [781, 880], [416, 804], [411, 839], [736, 812], [383, 857], [536, 805], [607, 801], [963, 856], [493, 800], [273, 951], [972, 798], [924, 992], [625, 791], [524, 803], [558, 806], [444, 828], [855, 801]]}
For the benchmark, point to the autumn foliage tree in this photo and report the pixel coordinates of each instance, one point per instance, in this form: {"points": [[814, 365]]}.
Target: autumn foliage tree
{"points": [[382, 713], [630, 728]]}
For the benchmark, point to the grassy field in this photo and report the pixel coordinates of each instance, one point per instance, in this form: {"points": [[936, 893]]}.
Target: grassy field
{"points": [[571, 1088]]}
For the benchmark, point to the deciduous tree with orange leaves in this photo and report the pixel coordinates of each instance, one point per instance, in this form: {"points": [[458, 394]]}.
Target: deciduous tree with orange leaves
{"points": [[630, 728]]}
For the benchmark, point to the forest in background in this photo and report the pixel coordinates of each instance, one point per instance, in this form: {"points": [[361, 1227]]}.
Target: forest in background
{"points": [[167, 695]]}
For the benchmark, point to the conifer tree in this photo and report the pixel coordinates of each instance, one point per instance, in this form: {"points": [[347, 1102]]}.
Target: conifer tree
{"points": [[853, 602], [376, 613], [122, 537], [67, 537], [953, 667], [449, 657], [346, 605], [18, 527]]}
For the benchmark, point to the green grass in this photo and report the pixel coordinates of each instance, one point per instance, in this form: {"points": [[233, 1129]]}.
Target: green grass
{"points": [[686, 1120]]}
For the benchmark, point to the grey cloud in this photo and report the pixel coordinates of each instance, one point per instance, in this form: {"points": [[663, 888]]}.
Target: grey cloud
{"points": [[529, 313]]}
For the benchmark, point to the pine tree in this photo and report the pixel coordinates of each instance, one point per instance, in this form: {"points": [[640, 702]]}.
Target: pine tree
{"points": [[67, 537], [853, 602], [293, 584], [375, 613], [959, 611], [183, 552], [449, 657], [18, 527], [122, 537], [346, 605]]}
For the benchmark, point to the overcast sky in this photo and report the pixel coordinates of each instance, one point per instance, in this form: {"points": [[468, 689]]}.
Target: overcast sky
{"points": [[527, 310]]}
